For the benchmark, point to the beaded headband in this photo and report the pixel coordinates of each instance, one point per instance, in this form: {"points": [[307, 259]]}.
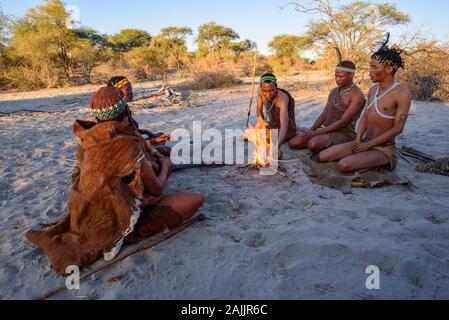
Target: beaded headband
{"points": [[111, 113]]}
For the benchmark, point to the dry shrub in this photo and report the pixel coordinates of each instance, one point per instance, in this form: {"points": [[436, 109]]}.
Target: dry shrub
{"points": [[214, 79], [103, 72], [426, 73], [211, 73], [244, 66]]}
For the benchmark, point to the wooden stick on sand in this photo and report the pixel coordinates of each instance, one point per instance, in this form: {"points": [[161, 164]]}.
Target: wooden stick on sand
{"points": [[144, 246]]}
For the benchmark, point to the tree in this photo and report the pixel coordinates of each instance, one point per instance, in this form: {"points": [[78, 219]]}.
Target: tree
{"points": [[99, 41], [85, 57], [426, 76], [287, 50], [354, 28], [172, 41], [42, 41], [241, 46], [128, 39], [4, 36], [214, 39], [52, 17], [147, 62]]}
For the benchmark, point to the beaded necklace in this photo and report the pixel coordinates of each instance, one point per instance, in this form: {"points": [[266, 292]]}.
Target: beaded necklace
{"points": [[347, 90]]}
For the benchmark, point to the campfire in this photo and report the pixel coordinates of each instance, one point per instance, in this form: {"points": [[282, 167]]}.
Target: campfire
{"points": [[260, 136]]}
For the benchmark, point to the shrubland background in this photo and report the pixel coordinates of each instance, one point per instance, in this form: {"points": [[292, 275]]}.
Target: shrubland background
{"points": [[42, 50]]}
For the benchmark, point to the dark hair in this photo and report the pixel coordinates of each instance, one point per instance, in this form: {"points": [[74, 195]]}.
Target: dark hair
{"points": [[390, 57], [347, 64]]}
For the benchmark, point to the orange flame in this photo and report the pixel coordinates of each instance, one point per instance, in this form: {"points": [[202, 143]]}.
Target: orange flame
{"points": [[260, 136]]}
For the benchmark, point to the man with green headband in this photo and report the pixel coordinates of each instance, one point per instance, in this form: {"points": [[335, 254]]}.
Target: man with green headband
{"points": [[336, 125], [279, 108]]}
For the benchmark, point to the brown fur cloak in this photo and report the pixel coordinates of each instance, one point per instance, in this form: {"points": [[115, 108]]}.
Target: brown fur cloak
{"points": [[104, 203]]}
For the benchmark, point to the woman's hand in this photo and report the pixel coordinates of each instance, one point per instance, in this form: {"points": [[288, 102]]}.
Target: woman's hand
{"points": [[165, 163]]}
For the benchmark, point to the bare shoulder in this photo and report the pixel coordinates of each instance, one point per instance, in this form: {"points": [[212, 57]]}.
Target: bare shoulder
{"points": [[372, 90], [404, 93], [333, 91], [359, 93], [282, 97]]}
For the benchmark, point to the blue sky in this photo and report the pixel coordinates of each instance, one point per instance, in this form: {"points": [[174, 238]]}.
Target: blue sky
{"points": [[258, 20]]}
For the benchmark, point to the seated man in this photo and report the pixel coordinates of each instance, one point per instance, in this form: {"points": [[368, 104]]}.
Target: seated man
{"points": [[116, 197], [124, 84], [279, 106], [384, 119], [336, 125]]}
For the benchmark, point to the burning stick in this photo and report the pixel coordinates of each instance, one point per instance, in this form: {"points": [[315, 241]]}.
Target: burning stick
{"points": [[260, 136]]}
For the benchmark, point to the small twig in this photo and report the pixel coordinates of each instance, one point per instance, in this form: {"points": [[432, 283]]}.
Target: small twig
{"points": [[288, 161], [286, 176], [402, 230], [402, 157], [412, 155], [423, 155]]}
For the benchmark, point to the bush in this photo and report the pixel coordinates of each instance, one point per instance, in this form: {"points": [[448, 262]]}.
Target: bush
{"points": [[426, 74], [211, 73], [204, 80]]}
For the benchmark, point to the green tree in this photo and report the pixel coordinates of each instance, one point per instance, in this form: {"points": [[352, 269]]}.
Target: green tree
{"points": [[128, 39], [42, 41], [4, 36], [241, 46], [287, 50], [172, 42], [85, 57], [214, 39], [354, 28], [147, 63], [98, 40]]}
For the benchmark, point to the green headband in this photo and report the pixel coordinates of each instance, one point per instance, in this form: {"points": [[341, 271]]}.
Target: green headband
{"points": [[345, 69], [268, 79], [111, 113]]}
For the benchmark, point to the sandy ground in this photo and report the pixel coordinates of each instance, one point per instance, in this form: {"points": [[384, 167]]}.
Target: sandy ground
{"points": [[266, 238]]}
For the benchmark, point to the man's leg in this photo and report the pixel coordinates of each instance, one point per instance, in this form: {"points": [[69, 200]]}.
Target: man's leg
{"points": [[363, 162], [184, 203], [298, 142], [336, 153], [320, 143]]}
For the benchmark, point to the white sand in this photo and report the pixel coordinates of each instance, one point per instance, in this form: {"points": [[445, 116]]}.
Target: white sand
{"points": [[266, 238]]}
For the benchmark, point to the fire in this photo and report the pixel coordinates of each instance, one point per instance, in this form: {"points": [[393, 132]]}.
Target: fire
{"points": [[260, 136]]}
